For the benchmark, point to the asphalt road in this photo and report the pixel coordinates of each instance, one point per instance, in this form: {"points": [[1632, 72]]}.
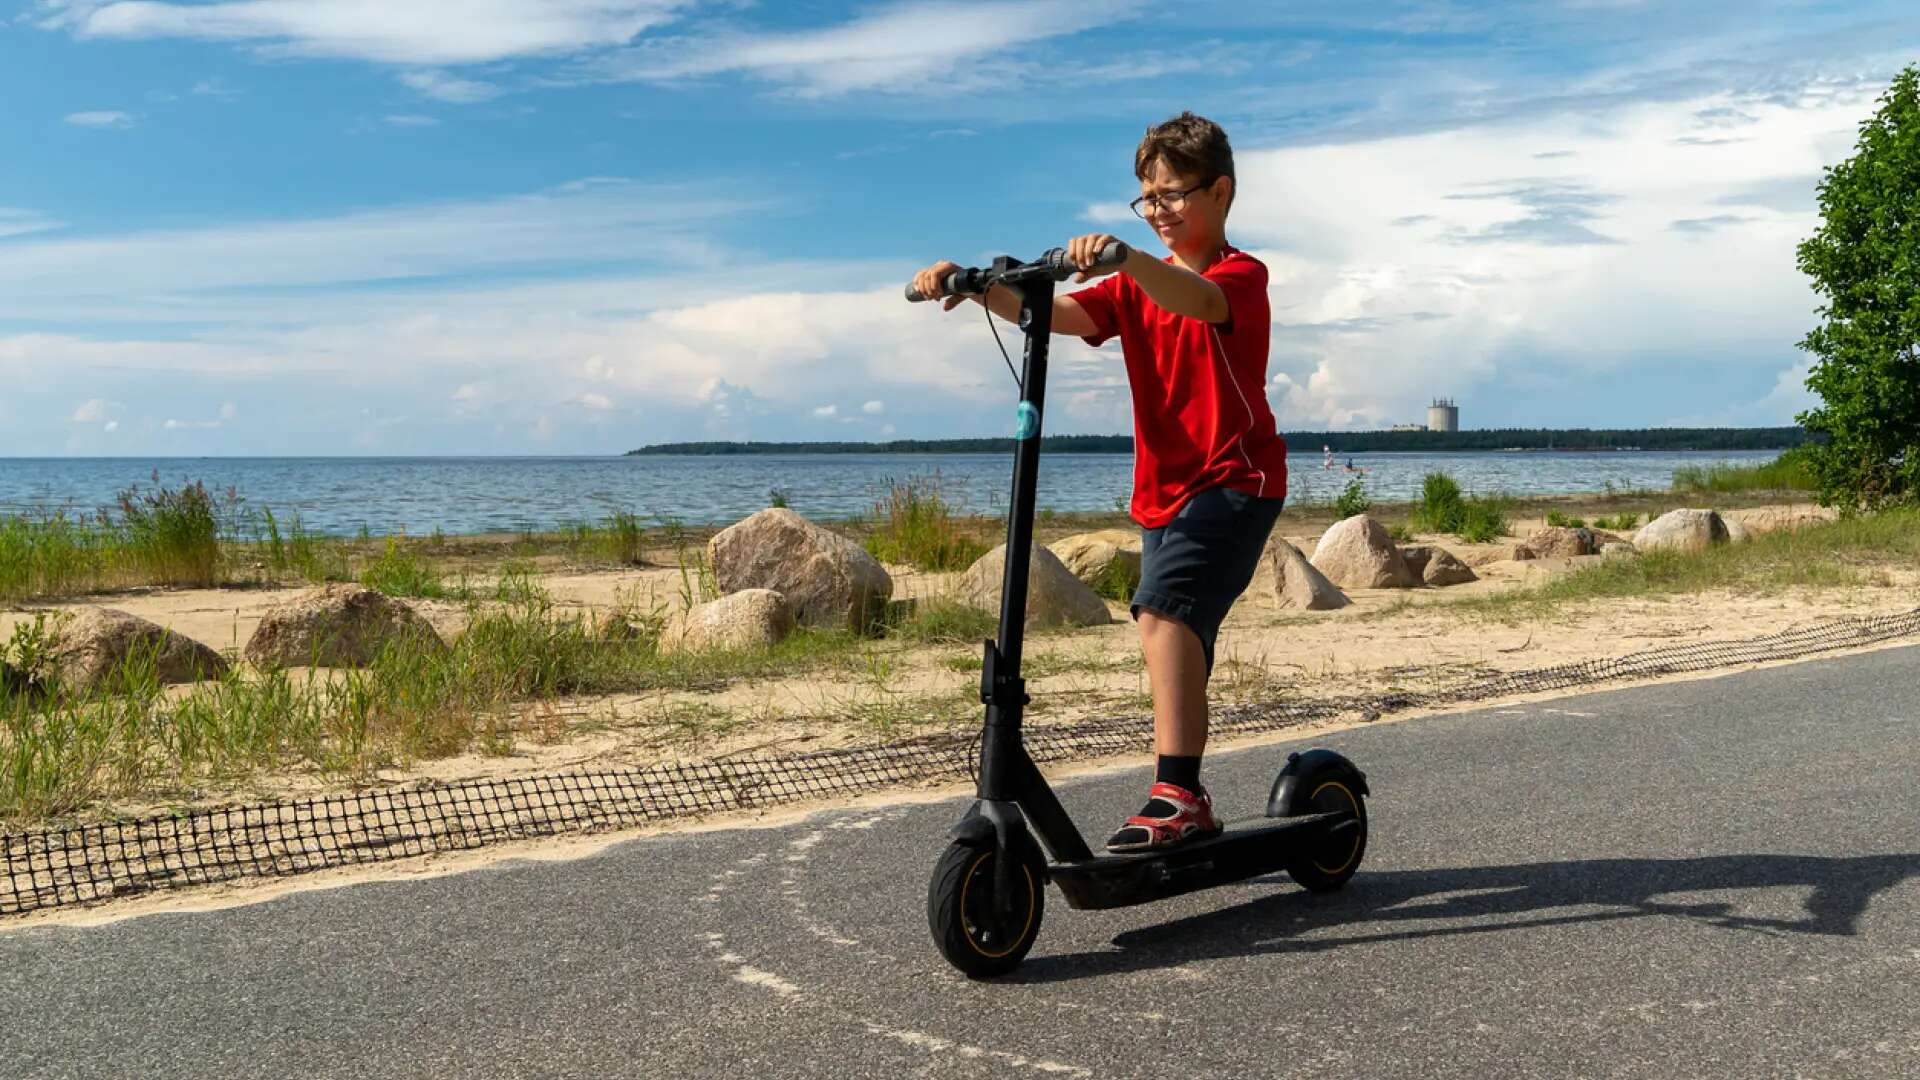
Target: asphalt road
{"points": [[1717, 878]]}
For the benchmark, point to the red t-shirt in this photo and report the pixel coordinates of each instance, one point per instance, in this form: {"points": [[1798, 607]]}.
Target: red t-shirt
{"points": [[1200, 414]]}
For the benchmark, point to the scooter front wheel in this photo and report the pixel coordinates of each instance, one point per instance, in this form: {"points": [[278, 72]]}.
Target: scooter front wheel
{"points": [[974, 930]]}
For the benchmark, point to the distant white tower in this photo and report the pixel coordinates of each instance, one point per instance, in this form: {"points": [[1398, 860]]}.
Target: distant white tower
{"points": [[1443, 415]]}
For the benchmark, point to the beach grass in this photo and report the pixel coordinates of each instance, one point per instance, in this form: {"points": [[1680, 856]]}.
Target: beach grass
{"points": [[916, 526], [62, 751], [1788, 472], [190, 538], [1851, 551], [1443, 508]]}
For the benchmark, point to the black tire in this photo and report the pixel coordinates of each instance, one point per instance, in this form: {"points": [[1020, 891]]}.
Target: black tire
{"points": [[1326, 866], [963, 916]]}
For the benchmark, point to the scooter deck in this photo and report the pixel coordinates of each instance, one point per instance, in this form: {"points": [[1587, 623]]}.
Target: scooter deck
{"points": [[1243, 849]]}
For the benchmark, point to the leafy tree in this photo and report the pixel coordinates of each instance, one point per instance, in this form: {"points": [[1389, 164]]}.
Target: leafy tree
{"points": [[1865, 261]]}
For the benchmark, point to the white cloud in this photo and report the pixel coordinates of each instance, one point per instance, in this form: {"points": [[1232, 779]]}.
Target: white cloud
{"points": [[593, 401], [443, 87], [100, 118], [826, 412], [874, 408], [91, 411], [17, 222], [227, 413], [215, 88], [900, 45], [413, 32], [577, 224], [112, 425], [1444, 263], [410, 120]]}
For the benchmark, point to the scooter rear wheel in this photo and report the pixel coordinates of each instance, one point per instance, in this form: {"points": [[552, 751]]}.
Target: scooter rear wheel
{"points": [[968, 925], [1326, 865]]}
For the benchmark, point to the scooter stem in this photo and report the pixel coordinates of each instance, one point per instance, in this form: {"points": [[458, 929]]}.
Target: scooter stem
{"points": [[1001, 688]]}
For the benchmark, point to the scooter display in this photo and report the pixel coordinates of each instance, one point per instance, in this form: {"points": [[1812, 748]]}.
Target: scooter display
{"points": [[987, 895]]}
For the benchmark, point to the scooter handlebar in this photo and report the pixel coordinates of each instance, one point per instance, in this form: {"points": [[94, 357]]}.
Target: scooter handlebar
{"points": [[1053, 264]]}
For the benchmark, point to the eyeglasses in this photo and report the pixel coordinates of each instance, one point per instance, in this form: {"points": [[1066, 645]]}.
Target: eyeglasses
{"points": [[1170, 201]]}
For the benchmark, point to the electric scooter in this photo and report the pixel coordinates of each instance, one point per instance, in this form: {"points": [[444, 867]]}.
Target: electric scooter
{"points": [[988, 890]]}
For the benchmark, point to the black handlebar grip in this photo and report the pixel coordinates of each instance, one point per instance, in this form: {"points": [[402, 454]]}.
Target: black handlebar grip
{"points": [[1112, 255], [955, 283]]}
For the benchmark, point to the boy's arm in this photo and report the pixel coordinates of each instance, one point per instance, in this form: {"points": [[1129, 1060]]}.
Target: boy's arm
{"points": [[1175, 288]]}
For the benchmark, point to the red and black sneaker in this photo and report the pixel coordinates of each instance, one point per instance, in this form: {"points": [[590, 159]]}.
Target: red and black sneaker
{"points": [[1172, 815]]}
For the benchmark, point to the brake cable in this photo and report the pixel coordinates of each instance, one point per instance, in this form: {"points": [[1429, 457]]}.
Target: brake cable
{"points": [[1004, 355]]}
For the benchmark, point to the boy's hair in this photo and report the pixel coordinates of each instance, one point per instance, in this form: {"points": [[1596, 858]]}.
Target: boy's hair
{"points": [[1190, 145]]}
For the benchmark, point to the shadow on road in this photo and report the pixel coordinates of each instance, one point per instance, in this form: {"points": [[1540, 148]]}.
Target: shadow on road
{"points": [[1392, 904]]}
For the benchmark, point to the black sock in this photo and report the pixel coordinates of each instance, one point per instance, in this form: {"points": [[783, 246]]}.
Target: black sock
{"points": [[1178, 770]]}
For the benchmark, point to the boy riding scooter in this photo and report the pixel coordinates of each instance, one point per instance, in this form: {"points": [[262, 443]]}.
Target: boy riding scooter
{"points": [[1210, 470]]}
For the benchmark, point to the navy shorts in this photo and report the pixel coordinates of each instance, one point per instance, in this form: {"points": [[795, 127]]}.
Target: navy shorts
{"points": [[1194, 567]]}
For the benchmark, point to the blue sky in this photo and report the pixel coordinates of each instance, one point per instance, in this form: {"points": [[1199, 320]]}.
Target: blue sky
{"points": [[578, 226]]}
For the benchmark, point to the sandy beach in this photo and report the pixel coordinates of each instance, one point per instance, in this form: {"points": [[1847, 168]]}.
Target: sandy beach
{"points": [[1387, 640]]}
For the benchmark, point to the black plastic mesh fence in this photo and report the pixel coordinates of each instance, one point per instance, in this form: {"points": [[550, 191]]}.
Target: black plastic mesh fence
{"points": [[57, 867]]}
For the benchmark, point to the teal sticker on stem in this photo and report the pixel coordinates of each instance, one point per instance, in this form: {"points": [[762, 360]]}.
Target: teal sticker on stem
{"points": [[1027, 421]]}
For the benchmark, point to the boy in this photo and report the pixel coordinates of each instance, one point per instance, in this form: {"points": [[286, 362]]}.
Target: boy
{"points": [[1210, 471]]}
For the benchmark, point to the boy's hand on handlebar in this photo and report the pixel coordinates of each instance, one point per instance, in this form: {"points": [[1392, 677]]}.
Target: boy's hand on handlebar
{"points": [[1083, 250], [932, 282]]}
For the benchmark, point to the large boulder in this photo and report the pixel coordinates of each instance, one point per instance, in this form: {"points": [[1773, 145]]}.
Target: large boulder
{"points": [[1357, 553], [1556, 542], [1436, 565], [1682, 530], [1110, 555], [1054, 596], [748, 619], [1416, 556], [827, 579], [98, 642], [337, 626], [1296, 584]]}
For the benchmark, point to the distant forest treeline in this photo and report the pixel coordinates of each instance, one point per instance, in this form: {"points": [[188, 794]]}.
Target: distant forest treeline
{"points": [[1342, 442]]}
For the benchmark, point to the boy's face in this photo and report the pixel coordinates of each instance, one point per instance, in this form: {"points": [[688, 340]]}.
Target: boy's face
{"points": [[1201, 215]]}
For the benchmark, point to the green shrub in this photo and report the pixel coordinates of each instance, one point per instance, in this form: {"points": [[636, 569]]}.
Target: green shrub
{"points": [[1618, 522], [1482, 521], [1441, 506], [1791, 471], [398, 572], [1442, 509], [1557, 519], [917, 527], [1353, 500], [1117, 581], [173, 534]]}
